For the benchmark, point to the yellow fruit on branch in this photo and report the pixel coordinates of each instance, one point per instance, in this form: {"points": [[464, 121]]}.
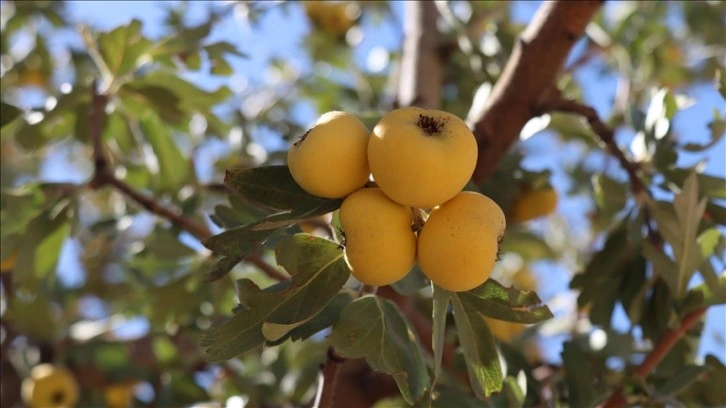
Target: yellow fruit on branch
{"points": [[380, 245], [119, 395], [533, 204], [504, 331], [330, 160], [421, 158], [50, 386], [459, 243], [8, 264]]}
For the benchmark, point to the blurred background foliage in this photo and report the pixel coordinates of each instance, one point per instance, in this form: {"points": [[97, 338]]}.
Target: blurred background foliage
{"points": [[116, 294]]}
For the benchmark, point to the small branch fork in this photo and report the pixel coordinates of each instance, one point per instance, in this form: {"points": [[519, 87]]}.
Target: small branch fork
{"points": [[103, 175], [555, 102], [670, 339]]}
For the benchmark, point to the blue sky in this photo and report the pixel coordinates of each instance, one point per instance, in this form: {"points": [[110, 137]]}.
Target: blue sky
{"points": [[279, 35]]}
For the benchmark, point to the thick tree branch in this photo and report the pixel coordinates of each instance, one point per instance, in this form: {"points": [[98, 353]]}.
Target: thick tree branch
{"points": [[103, 175], [670, 339], [535, 64], [422, 71]]}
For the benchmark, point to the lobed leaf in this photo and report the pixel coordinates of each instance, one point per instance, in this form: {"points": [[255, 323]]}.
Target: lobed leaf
{"points": [[318, 272], [374, 328], [510, 304]]}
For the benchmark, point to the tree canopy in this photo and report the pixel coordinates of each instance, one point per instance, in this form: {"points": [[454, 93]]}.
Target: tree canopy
{"points": [[155, 244]]}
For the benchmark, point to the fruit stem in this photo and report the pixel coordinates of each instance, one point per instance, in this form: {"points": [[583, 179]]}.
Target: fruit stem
{"points": [[419, 219]]}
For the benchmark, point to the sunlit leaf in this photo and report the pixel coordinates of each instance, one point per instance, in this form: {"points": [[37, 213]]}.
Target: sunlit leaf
{"points": [[174, 169], [510, 304]]}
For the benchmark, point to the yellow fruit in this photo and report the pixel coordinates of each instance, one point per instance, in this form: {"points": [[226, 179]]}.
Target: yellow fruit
{"points": [[50, 386], [533, 204], [8, 264], [421, 158], [504, 331], [458, 245], [524, 280], [330, 159], [380, 246], [119, 395], [333, 18]]}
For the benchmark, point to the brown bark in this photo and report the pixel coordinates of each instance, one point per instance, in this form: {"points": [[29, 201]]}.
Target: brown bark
{"points": [[422, 72], [535, 64]]}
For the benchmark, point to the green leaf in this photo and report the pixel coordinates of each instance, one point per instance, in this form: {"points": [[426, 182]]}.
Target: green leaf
{"points": [[318, 272], [174, 168], [480, 351], [689, 211], [509, 304], [682, 379], [374, 328], [528, 245], [706, 294], [578, 375], [721, 81], [221, 268], [8, 113], [326, 318], [514, 394], [438, 332], [610, 195], [238, 242], [122, 48], [274, 187], [412, 283], [662, 265]]}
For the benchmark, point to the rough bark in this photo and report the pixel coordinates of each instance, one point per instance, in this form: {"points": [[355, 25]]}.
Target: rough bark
{"points": [[534, 66]]}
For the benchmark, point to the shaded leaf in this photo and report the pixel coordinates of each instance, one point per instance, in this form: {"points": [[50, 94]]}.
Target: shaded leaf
{"points": [[438, 332], [274, 187], [374, 328], [413, 282], [682, 379], [578, 375], [480, 351], [221, 268], [8, 113], [318, 272]]}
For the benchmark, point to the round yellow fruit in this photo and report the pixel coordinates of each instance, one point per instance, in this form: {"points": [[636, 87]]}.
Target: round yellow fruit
{"points": [[421, 158], [380, 245], [533, 204], [458, 245], [119, 395], [50, 386], [330, 159], [8, 264], [504, 331]]}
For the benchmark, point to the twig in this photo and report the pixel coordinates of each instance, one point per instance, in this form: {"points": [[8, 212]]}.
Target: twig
{"points": [[554, 101], [535, 64], [670, 339], [103, 175], [557, 103]]}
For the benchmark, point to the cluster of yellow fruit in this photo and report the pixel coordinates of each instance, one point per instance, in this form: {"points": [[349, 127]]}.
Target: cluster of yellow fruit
{"points": [[49, 386], [420, 160]]}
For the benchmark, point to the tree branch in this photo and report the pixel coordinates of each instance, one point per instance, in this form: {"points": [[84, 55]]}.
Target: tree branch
{"points": [[670, 339], [103, 175], [422, 71], [331, 372], [535, 64]]}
